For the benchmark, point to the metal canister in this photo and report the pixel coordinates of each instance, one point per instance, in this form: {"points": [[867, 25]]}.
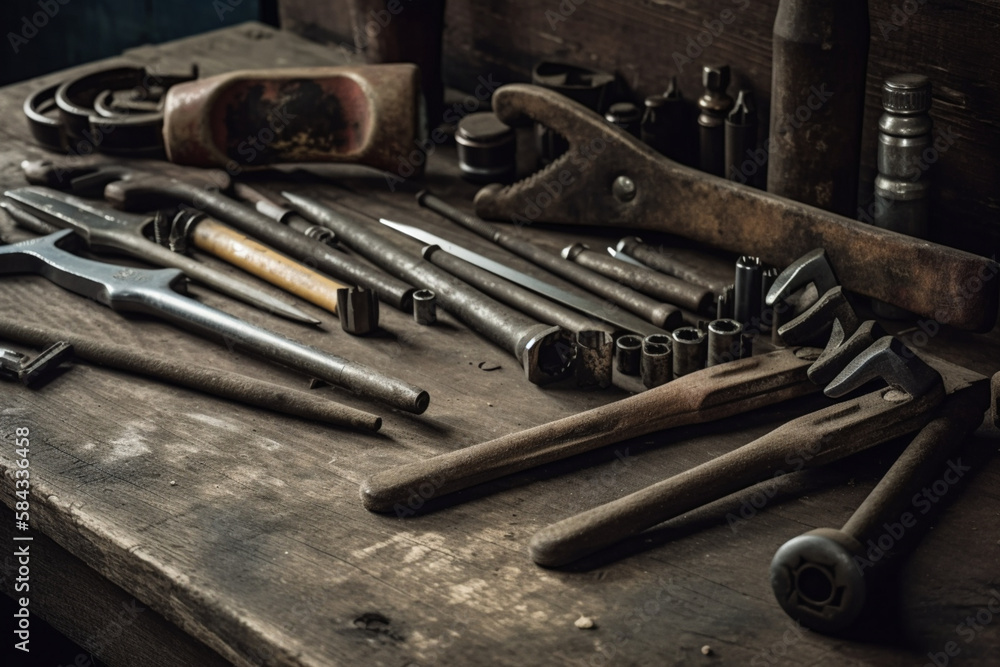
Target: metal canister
{"points": [[486, 148], [626, 116]]}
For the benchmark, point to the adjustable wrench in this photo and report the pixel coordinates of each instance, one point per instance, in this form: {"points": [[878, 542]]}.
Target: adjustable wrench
{"points": [[610, 178]]}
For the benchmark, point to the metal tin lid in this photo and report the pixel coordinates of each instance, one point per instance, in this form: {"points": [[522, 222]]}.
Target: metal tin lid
{"points": [[907, 93], [483, 128]]}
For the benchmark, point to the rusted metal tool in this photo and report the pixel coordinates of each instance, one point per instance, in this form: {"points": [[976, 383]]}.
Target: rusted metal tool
{"points": [[642, 279], [102, 227], [693, 266], [153, 292], [829, 434], [29, 370], [609, 178], [198, 376], [545, 352], [662, 315], [134, 189], [232, 246], [366, 114], [819, 578]]}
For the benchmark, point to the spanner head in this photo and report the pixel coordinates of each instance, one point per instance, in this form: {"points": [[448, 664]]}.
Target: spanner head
{"points": [[888, 359], [813, 267], [814, 324], [842, 349]]}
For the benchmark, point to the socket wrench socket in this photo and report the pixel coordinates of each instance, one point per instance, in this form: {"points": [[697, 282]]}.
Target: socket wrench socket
{"points": [[690, 347], [724, 341], [628, 355], [656, 364], [424, 306]]}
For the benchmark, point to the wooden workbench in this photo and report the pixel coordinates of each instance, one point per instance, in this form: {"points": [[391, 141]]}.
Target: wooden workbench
{"points": [[238, 535]]}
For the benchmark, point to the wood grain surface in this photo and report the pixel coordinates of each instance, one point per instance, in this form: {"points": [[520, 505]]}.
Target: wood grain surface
{"points": [[245, 530]]}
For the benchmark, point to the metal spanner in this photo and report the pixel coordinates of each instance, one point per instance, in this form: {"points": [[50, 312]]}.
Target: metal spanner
{"points": [[104, 227], [153, 292]]}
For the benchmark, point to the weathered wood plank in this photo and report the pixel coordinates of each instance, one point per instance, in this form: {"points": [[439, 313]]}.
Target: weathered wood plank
{"points": [[245, 529]]}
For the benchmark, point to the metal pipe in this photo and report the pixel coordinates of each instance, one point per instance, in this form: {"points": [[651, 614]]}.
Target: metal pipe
{"points": [[661, 314], [693, 266], [545, 352], [643, 279]]}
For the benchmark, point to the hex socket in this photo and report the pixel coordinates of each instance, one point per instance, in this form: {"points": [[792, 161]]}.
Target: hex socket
{"points": [[594, 358], [746, 306], [724, 341], [424, 306], [689, 351], [628, 355], [656, 364]]}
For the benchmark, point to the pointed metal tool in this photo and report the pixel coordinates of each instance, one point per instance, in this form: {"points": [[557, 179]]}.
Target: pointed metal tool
{"points": [[153, 292], [103, 227]]}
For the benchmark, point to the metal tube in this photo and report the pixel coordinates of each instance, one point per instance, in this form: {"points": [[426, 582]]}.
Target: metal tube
{"points": [[656, 365], [695, 267], [507, 292], [746, 307], [724, 341], [545, 352], [424, 307], [689, 350], [643, 279], [661, 314], [628, 354], [346, 269]]}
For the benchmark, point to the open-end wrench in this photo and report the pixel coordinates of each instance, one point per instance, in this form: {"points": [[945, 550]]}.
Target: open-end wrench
{"points": [[610, 178], [152, 292], [103, 227]]}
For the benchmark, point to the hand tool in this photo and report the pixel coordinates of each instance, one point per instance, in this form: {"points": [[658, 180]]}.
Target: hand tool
{"points": [[86, 120], [819, 577], [269, 207], [254, 118], [690, 347], [589, 87], [714, 105], [643, 279], [827, 435], [20, 368], [595, 352], [656, 365], [724, 341], [424, 307], [747, 291], [902, 188], [544, 352], [626, 116], [486, 148], [741, 141], [672, 122], [664, 316], [820, 54], [767, 278], [503, 292], [628, 354], [152, 292], [693, 266], [926, 279], [506, 292], [102, 227], [257, 259], [213, 381], [358, 309], [141, 191], [26, 220], [714, 393]]}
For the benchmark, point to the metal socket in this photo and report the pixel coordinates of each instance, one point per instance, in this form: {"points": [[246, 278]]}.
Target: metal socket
{"points": [[424, 306], [357, 308], [690, 346], [724, 341], [746, 306], [724, 303], [628, 355], [656, 365], [595, 351]]}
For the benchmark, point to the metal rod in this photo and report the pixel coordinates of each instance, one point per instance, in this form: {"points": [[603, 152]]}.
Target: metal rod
{"points": [[693, 266], [545, 352], [661, 314], [214, 381]]}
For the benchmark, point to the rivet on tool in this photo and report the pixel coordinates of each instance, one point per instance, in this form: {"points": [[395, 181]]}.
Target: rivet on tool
{"points": [[424, 306], [624, 189]]}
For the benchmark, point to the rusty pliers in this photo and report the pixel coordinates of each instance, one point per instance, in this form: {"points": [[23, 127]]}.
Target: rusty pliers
{"points": [[608, 177]]}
